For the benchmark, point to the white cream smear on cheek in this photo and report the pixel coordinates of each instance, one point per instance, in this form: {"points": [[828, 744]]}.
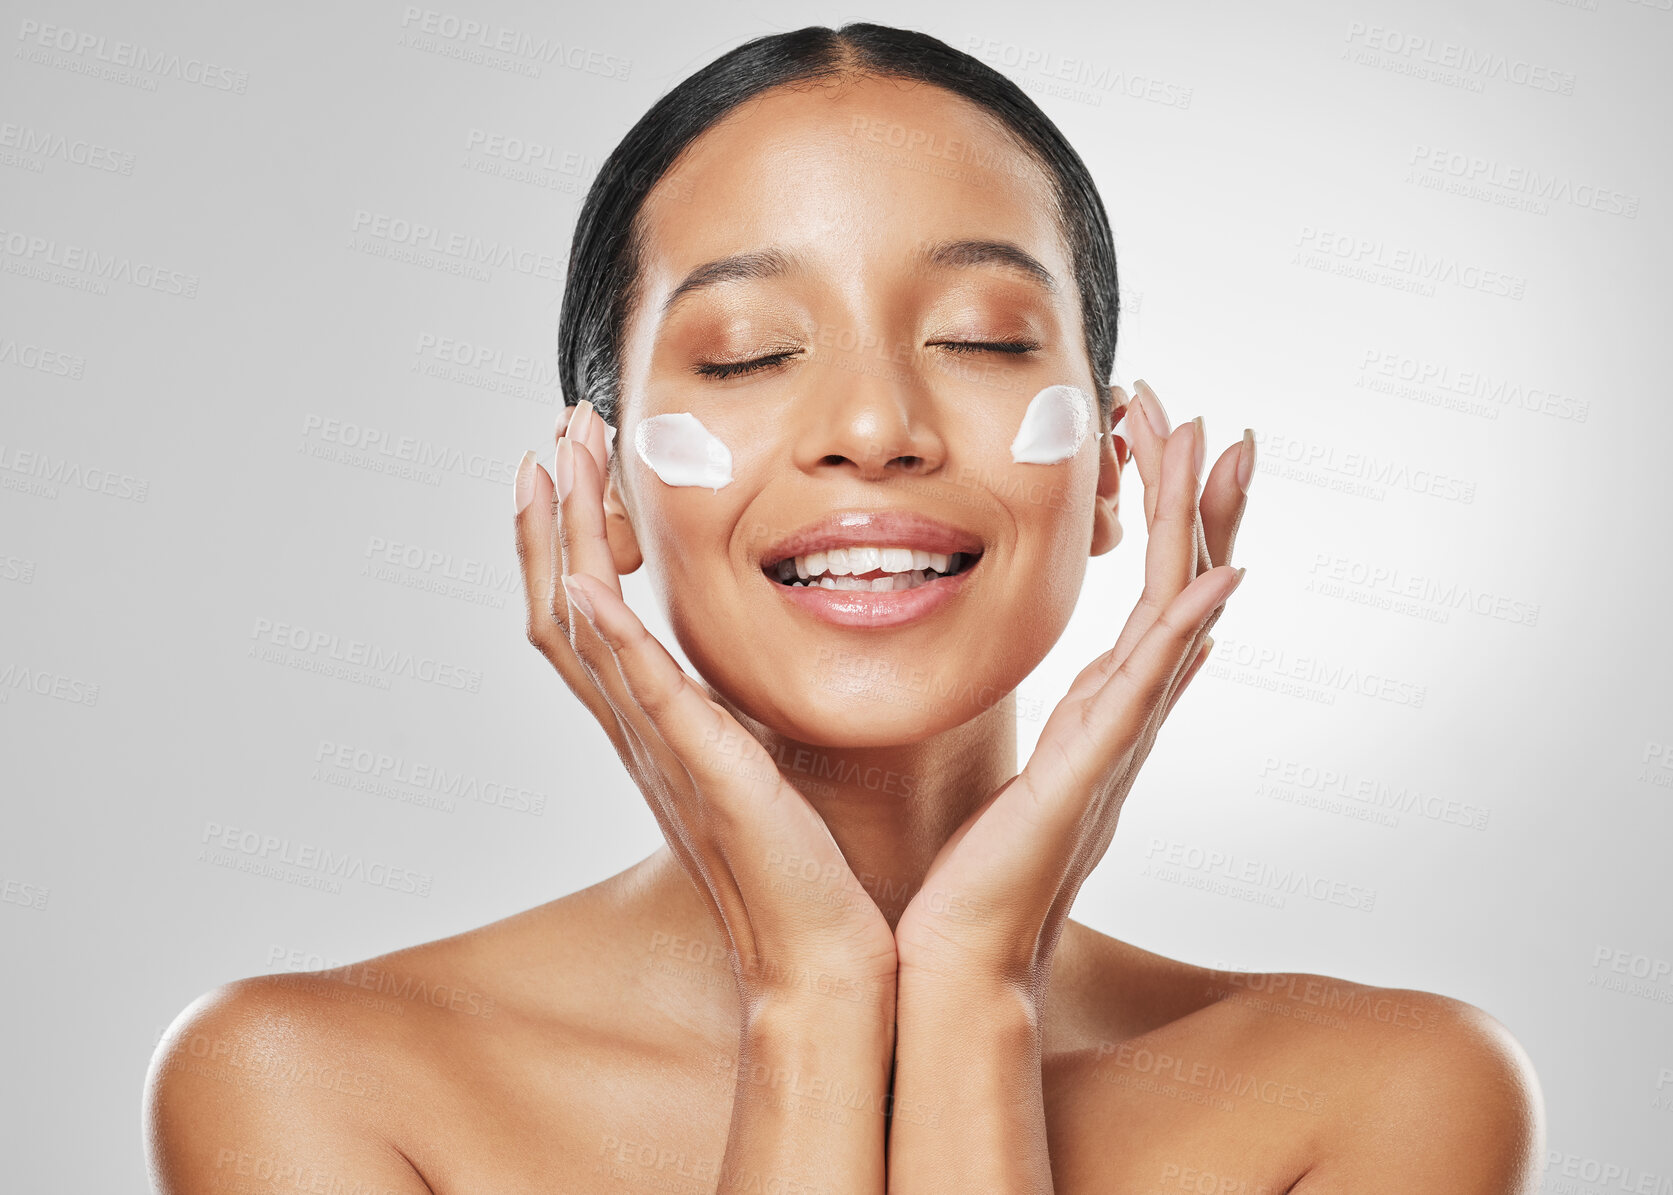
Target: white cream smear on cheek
{"points": [[681, 451], [1053, 427]]}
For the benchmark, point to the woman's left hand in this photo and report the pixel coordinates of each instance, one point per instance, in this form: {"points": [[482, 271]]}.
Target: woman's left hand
{"points": [[993, 902]]}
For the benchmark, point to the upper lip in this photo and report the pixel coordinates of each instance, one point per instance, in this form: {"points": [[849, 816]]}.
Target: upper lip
{"points": [[884, 528]]}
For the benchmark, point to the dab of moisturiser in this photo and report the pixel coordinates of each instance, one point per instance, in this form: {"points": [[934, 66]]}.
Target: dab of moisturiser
{"points": [[681, 451], [1053, 427]]}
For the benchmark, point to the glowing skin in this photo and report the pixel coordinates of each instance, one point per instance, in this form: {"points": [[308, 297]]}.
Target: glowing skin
{"points": [[1053, 427], [681, 451]]}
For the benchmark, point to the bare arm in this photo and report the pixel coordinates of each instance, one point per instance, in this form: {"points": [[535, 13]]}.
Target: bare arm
{"points": [[809, 1097], [968, 1099]]}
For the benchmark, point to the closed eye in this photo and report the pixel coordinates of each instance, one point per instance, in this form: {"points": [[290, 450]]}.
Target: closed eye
{"points": [[732, 369], [988, 346]]}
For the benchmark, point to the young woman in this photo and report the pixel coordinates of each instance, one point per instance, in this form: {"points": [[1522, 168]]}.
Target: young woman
{"points": [[838, 316]]}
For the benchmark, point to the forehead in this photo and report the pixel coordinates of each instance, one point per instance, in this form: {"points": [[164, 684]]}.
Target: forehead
{"points": [[855, 177]]}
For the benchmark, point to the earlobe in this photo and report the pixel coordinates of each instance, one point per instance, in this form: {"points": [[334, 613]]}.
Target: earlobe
{"points": [[618, 528], [1106, 512]]}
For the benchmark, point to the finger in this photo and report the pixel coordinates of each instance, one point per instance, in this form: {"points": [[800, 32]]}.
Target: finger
{"points": [[1149, 427], [1191, 670], [583, 539], [672, 704], [1224, 498], [587, 430], [1171, 553], [579, 545], [581, 548], [1086, 738], [534, 554], [1204, 560]]}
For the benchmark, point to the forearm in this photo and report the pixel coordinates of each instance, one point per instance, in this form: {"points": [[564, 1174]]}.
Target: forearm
{"points": [[969, 1104], [810, 1094]]}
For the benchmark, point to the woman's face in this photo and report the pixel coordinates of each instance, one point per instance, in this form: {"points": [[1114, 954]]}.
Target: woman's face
{"points": [[873, 229]]}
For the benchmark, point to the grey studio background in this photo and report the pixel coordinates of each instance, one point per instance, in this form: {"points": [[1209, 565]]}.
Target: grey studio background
{"points": [[279, 291]]}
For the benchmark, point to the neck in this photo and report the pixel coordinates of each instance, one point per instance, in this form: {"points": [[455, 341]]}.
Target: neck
{"points": [[890, 809]]}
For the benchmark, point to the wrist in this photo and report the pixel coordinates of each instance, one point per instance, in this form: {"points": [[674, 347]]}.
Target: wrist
{"points": [[786, 993], [812, 1057], [984, 996], [981, 1019], [854, 1012]]}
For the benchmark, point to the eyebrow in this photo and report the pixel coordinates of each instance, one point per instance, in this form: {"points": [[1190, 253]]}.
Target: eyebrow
{"points": [[775, 263]]}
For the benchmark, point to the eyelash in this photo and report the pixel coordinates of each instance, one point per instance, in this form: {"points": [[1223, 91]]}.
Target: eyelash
{"points": [[723, 370]]}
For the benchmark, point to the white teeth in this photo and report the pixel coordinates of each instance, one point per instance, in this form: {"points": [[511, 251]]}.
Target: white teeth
{"points": [[886, 584], [864, 558], [846, 568]]}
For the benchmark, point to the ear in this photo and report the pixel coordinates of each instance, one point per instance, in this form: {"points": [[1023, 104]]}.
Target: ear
{"points": [[618, 528], [1113, 454]]}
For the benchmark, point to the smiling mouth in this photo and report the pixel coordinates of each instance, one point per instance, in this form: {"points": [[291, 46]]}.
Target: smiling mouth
{"points": [[873, 569]]}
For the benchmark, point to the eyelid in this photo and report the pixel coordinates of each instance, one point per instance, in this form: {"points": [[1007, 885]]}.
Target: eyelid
{"points": [[725, 370], [998, 346]]}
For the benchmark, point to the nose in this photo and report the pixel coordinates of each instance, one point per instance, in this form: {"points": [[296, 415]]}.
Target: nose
{"points": [[874, 427]]}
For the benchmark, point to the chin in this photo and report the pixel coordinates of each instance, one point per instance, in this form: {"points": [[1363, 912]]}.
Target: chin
{"points": [[837, 705]]}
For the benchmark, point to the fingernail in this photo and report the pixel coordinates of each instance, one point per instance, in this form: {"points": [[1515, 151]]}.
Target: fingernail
{"points": [[1246, 460], [523, 487], [566, 415], [1239, 575], [1152, 409], [1208, 645], [583, 413], [1202, 443], [564, 464], [578, 597]]}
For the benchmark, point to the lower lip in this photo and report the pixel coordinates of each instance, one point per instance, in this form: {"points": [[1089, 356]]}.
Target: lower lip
{"points": [[861, 608]]}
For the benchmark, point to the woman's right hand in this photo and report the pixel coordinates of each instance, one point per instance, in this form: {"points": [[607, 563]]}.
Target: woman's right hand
{"points": [[794, 916]]}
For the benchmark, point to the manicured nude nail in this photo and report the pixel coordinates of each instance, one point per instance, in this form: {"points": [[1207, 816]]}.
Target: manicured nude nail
{"points": [[578, 596], [564, 466], [1246, 460], [566, 415], [584, 414], [1152, 409], [523, 487], [1202, 443]]}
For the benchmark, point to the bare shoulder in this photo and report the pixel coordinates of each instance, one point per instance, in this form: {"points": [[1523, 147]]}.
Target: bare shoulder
{"points": [[1433, 1093], [258, 1078], [337, 1076], [1411, 1090]]}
